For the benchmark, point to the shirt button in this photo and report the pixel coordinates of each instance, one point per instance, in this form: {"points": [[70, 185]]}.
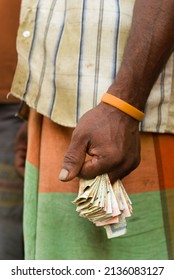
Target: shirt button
{"points": [[26, 33]]}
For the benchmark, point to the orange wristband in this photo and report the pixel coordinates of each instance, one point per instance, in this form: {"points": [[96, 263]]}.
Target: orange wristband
{"points": [[123, 106]]}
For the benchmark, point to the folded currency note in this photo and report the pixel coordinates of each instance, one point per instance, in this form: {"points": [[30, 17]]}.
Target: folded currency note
{"points": [[104, 204]]}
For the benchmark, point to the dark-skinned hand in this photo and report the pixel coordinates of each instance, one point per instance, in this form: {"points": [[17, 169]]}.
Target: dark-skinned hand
{"points": [[110, 137]]}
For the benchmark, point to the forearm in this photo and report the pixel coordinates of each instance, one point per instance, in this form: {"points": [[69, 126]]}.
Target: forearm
{"points": [[149, 45]]}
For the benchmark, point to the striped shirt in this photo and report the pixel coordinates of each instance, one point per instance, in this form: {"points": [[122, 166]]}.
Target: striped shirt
{"points": [[69, 52]]}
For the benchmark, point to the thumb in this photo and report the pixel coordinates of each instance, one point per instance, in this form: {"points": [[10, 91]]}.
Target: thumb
{"points": [[73, 161]]}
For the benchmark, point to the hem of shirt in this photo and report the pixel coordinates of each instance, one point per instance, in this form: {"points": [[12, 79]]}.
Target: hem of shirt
{"points": [[73, 125], [56, 120]]}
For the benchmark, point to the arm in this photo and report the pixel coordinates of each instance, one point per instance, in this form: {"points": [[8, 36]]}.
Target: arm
{"points": [[149, 45], [108, 135]]}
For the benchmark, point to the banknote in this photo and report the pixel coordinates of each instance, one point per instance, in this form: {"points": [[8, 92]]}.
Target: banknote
{"points": [[104, 204], [117, 229]]}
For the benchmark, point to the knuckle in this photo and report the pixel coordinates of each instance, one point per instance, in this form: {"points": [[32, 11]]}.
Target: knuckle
{"points": [[71, 158]]}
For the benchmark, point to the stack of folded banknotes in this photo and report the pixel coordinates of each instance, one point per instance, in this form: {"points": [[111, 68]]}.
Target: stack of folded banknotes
{"points": [[104, 204]]}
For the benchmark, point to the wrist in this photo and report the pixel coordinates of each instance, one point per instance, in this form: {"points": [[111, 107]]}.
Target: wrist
{"points": [[129, 88], [123, 106]]}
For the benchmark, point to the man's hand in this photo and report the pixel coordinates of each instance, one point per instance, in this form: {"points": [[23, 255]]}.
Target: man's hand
{"points": [[20, 149], [110, 137]]}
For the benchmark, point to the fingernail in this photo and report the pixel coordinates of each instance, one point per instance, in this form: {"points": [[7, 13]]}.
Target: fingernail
{"points": [[63, 174]]}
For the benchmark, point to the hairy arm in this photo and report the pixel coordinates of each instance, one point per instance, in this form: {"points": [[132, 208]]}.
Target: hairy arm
{"points": [[108, 135]]}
